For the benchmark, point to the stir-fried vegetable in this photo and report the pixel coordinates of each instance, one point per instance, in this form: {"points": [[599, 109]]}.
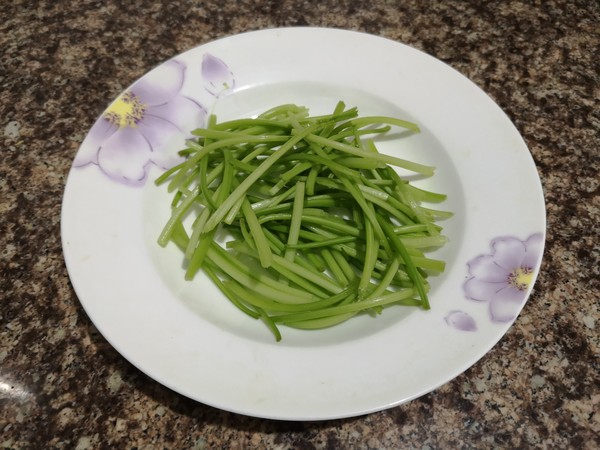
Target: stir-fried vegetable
{"points": [[320, 226]]}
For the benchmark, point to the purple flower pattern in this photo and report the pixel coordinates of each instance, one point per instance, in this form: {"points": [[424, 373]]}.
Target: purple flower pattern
{"points": [[503, 278], [461, 321], [146, 124], [217, 76]]}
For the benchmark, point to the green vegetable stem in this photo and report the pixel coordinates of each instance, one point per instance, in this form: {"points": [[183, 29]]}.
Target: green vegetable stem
{"points": [[319, 225]]}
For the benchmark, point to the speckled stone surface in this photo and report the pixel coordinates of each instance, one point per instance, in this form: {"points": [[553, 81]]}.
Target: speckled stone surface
{"points": [[63, 386]]}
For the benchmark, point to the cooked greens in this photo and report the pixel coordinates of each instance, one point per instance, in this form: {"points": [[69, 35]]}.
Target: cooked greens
{"points": [[319, 225]]}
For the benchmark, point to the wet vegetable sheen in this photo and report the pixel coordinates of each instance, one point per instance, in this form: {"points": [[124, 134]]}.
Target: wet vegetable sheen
{"points": [[320, 226]]}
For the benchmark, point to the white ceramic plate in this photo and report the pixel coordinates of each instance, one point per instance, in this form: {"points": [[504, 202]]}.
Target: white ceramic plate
{"points": [[189, 338]]}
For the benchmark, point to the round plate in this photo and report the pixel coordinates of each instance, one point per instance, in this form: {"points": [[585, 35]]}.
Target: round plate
{"points": [[186, 336]]}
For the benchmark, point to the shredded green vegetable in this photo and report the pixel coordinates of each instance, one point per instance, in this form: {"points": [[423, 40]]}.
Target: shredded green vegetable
{"points": [[320, 226]]}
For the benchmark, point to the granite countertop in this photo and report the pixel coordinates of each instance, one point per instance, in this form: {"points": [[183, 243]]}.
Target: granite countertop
{"points": [[63, 386]]}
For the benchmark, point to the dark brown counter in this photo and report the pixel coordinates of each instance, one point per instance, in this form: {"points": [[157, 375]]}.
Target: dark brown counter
{"points": [[63, 386]]}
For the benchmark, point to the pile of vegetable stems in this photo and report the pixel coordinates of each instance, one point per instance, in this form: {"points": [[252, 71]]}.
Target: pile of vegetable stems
{"points": [[318, 226]]}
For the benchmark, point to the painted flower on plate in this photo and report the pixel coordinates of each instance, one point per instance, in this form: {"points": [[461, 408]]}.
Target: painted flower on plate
{"points": [[217, 76], [503, 278], [461, 321], [147, 122]]}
